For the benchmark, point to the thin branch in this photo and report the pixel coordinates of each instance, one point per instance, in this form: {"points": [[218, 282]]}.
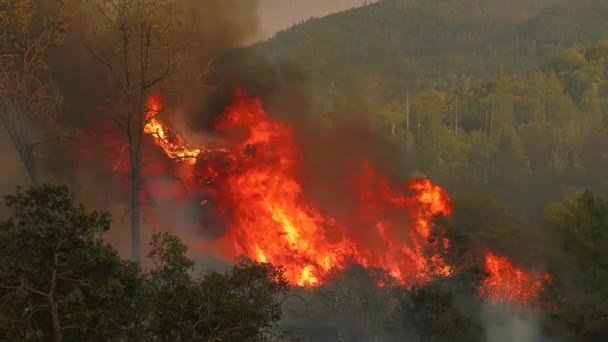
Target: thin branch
{"points": [[70, 327], [30, 311], [48, 141], [24, 286], [120, 156], [124, 215], [71, 280], [205, 74]]}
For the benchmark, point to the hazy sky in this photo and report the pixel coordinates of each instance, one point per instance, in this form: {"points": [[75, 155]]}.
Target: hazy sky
{"points": [[280, 14]]}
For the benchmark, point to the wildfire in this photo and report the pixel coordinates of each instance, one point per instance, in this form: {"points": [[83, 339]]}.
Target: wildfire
{"points": [[254, 184], [401, 218], [271, 222], [173, 144], [506, 283]]}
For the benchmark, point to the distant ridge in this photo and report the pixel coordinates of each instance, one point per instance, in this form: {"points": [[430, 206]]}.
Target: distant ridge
{"points": [[279, 15], [419, 44]]}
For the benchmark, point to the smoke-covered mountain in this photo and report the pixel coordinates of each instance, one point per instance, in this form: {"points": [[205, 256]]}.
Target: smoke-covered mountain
{"points": [[407, 44]]}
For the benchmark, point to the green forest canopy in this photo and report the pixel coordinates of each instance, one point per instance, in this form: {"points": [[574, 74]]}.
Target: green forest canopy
{"points": [[502, 97], [429, 44]]}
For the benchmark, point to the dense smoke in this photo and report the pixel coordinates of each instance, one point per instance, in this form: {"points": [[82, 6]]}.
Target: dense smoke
{"points": [[504, 323], [204, 29], [332, 150], [214, 32], [12, 171]]}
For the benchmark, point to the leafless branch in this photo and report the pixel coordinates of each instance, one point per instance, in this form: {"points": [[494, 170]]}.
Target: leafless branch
{"points": [[23, 286], [31, 311], [124, 215], [49, 141], [71, 280], [205, 74], [70, 327]]}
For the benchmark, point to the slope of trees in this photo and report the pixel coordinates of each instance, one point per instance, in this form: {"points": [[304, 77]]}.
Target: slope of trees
{"points": [[509, 134], [580, 229], [422, 45], [488, 96], [504, 103], [58, 282]]}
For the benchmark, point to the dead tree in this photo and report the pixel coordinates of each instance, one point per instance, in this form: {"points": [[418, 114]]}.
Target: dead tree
{"points": [[28, 97], [134, 41]]}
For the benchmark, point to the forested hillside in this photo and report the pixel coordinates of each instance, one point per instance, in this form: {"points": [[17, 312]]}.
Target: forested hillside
{"points": [[409, 170], [504, 97], [436, 43]]}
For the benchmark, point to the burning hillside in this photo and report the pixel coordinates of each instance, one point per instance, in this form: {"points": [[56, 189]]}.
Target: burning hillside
{"points": [[251, 185]]}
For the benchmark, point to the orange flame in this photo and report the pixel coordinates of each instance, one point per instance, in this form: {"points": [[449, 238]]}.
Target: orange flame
{"points": [[271, 221], [506, 283], [173, 144]]}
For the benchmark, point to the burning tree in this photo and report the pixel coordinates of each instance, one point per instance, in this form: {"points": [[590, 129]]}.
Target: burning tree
{"points": [[27, 93], [133, 40]]}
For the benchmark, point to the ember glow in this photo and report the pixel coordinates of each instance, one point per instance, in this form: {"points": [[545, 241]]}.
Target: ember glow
{"points": [[253, 184], [507, 283], [173, 144]]}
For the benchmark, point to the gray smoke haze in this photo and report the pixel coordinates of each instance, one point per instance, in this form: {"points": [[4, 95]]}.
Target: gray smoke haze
{"points": [[351, 307], [197, 95], [214, 31], [504, 323], [206, 28], [12, 172]]}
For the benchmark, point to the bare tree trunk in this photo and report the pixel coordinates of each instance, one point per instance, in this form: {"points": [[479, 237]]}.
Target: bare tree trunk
{"points": [[30, 166], [485, 124], [56, 335], [486, 162], [135, 212], [407, 112], [148, 56], [26, 88], [544, 114], [491, 121], [487, 147], [456, 116], [19, 139], [136, 176]]}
